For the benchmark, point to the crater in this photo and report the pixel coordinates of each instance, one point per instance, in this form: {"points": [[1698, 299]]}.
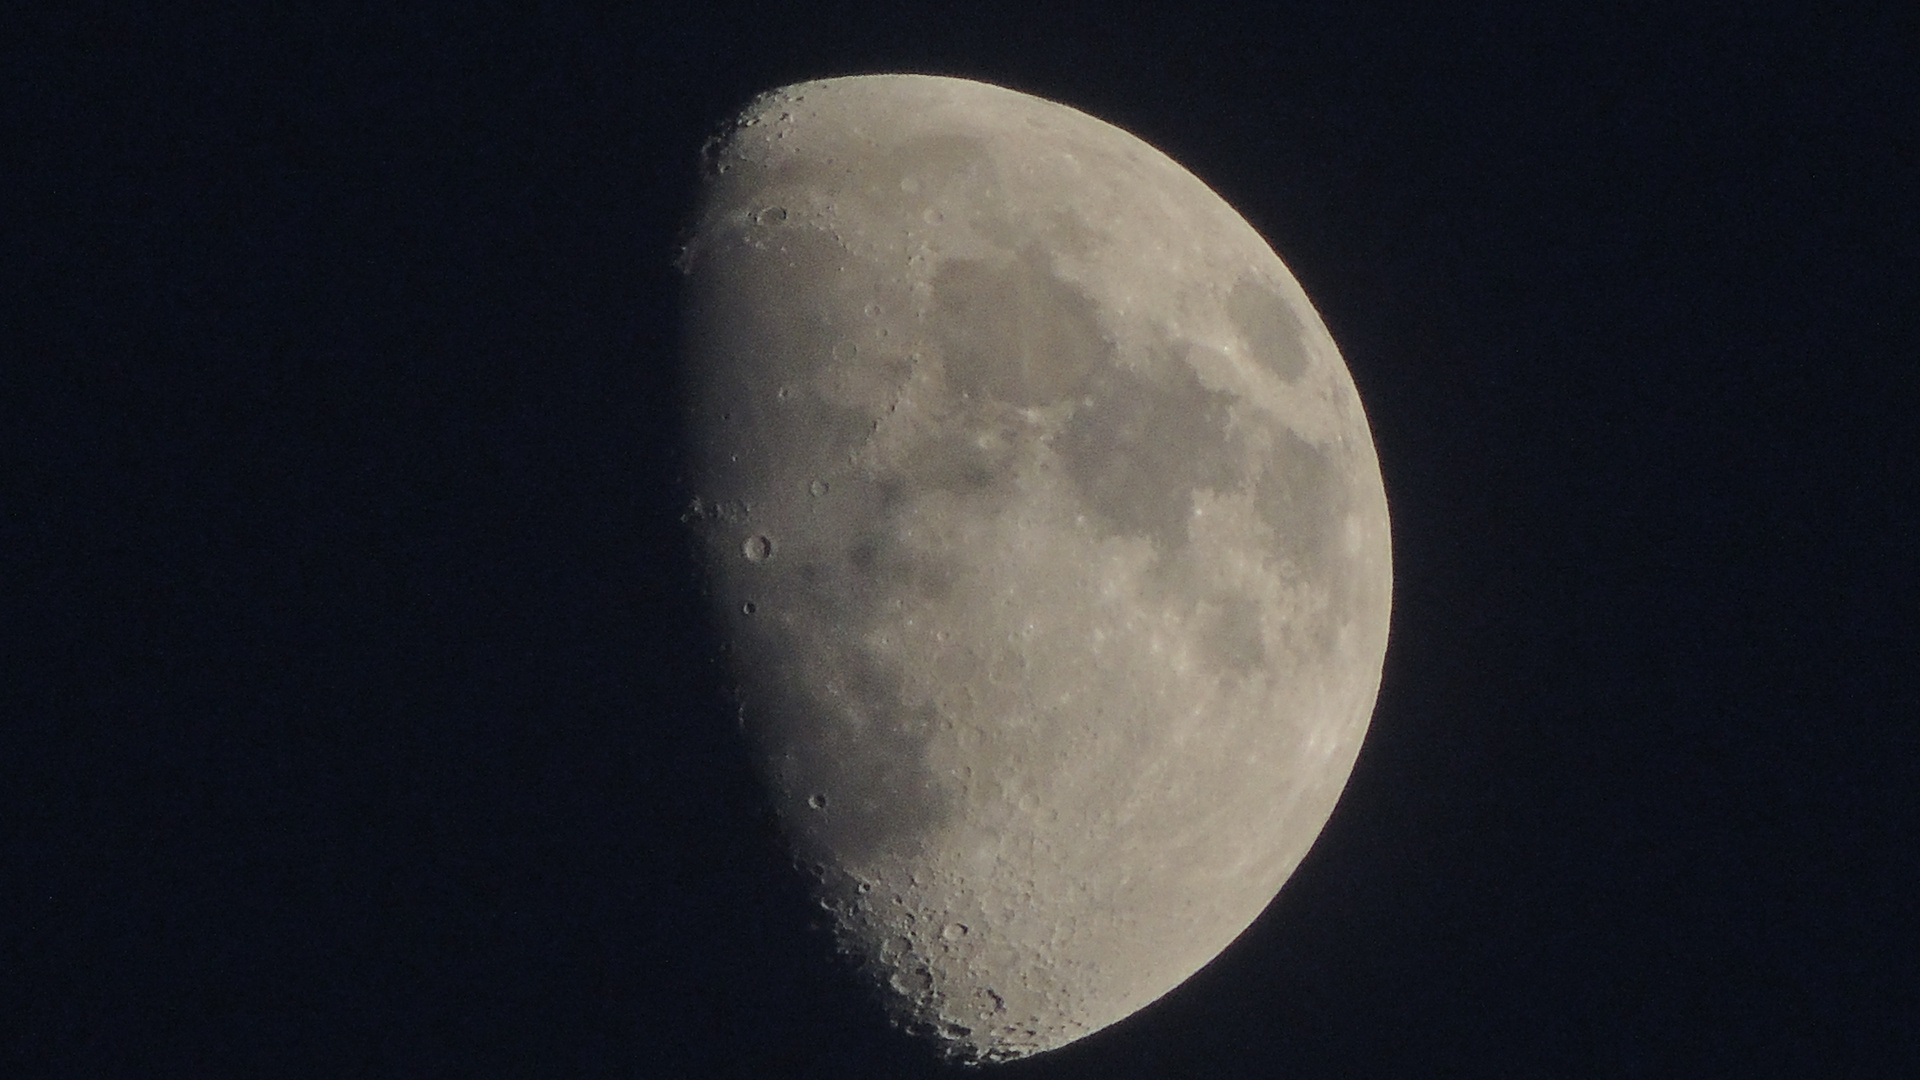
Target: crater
{"points": [[849, 732], [768, 395], [912, 181]]}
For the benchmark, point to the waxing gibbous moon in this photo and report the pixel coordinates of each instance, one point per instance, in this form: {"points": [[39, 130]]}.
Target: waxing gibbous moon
{"points": [[1047, 536]]}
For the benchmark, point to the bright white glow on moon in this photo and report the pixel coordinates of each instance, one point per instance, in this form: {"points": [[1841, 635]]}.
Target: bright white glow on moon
{"points": [[1048, 536]]}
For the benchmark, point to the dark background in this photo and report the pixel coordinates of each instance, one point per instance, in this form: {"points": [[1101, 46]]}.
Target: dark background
{"points": [[355, 718]]}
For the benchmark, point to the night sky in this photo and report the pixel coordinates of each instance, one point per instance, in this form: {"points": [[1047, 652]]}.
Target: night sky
{"points": [[356, 714]]}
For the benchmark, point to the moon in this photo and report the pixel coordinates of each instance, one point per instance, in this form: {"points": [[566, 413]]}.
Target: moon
{"points": [[1048, 539]]}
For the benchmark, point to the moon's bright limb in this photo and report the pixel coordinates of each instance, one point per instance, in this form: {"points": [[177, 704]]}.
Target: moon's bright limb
{"points": [[1049, 537]]}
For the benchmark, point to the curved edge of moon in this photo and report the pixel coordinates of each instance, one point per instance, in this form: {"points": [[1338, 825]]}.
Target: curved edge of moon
{"points": [[1044, 519]]}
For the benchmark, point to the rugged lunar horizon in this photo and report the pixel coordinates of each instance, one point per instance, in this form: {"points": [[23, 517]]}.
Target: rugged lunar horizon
{"points": [[1047, 533]]}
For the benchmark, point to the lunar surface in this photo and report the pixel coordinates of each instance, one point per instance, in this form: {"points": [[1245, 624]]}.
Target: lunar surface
{"points": [[1047, 535]]}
